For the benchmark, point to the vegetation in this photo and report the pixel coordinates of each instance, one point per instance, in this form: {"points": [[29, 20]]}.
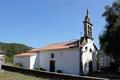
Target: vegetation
{"points": [[17, 65], [41, 69], [11, 49], [110, 39], [6, 75]]}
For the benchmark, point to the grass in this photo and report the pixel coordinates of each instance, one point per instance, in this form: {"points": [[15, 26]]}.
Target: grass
{"points": [[7, 75]]}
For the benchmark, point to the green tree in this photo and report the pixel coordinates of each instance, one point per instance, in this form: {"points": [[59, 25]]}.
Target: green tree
{"points": [[110, 39], [12, 49]]}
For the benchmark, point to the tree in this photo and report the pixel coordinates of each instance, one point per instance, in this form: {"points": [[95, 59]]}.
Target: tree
{"points": [[12, 49], [110, 38]]}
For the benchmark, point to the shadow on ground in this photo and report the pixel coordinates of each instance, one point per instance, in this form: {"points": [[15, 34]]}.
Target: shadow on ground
{"points": [[107, 74]]}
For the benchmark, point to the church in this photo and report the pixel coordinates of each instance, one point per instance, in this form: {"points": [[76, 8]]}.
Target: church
{"points": [[78, 57]]}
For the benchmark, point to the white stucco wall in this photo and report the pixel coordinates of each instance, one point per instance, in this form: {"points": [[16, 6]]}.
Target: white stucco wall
{"points": [[36, 61], [88, 56], [66, 60], [1, 60], [29, 62], [104, 60], [107, 60], [32, 61], [24, 60]]}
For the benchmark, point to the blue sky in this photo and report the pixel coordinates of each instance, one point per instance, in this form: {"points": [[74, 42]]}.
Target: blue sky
{"points": [[40, 22]]}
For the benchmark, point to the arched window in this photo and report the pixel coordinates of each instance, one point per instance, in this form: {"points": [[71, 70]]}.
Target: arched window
{"points": [[90, 50], [90, 29], [86, 48], [52, 55]]}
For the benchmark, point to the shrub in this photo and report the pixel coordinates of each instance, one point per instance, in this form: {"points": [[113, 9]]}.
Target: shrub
{"points": [[42, 69], [18, 65], [59, 71]]}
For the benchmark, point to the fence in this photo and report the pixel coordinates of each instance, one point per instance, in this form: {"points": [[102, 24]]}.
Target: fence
{"points": [[50, 75]]}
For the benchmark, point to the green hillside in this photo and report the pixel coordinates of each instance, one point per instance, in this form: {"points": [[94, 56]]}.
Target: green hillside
{"points": [[11, 49]]}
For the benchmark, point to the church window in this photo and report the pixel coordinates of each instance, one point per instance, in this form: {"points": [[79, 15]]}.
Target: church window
{"points": [[90, 50], [86, 48], [52, 55], [90, 28]]}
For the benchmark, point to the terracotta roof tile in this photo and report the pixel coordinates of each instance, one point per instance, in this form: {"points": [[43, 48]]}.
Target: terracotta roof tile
{"points": [[63, 45], [26, 54], [34, 50], [55, 46]]}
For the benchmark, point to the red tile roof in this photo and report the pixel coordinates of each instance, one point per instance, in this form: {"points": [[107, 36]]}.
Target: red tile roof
{"points": [[26, 54], [56, 46], [34, 50]]}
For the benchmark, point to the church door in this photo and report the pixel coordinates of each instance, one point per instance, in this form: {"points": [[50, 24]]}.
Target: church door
{"points": [[52, 66], [90, 67]]}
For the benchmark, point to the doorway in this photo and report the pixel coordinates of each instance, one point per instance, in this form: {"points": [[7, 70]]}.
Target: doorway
{"points": [[90, 67], [52, 66]]}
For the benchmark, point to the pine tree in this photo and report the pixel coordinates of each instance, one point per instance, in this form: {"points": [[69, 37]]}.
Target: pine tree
{"points": [[110, 39]]}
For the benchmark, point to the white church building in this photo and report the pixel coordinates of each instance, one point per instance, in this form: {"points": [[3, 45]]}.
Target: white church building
{"points": [[73, 57], [2, 58]]}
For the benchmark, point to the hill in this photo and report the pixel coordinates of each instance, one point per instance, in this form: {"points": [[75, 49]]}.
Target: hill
{"points": [[11, 49]]}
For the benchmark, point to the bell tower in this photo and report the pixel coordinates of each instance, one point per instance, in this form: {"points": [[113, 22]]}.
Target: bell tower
{"points": [[87, 26]]}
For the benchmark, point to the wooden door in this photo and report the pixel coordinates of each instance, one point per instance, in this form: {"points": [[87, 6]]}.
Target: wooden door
{"points": [[52, 66], [90, 67]]}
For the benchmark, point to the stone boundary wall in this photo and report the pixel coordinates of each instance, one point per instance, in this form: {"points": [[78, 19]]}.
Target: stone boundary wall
{"points": [[50, 75]]}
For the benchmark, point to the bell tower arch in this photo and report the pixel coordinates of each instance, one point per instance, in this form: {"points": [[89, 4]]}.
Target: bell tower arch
{"points": [[87, 26]]}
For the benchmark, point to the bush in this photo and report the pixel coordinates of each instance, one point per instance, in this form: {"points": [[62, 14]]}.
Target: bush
{"points": [[37, 68], [59, 71], [8, 59], [18, 65], [41, 69]]}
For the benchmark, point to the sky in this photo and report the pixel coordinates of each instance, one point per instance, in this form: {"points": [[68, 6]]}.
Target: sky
{"points": [[40, 22]]}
